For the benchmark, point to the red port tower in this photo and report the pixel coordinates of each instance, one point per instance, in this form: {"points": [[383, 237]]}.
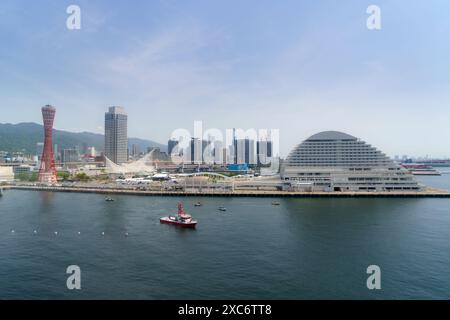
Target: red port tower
{"points": [[47, 170]]}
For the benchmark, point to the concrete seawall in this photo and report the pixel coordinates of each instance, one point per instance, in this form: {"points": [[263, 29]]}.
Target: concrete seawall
{"points": [[428, 193]]}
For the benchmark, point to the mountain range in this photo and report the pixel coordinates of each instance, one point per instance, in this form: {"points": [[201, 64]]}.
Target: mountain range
{"points": [[23, 137]]}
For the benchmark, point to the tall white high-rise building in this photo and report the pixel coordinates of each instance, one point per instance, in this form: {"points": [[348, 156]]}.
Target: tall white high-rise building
{"points": [[116, 135], [218, 153]]}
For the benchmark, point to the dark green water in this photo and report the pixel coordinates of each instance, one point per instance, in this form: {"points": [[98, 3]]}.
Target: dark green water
{"points": [[305, 248]]}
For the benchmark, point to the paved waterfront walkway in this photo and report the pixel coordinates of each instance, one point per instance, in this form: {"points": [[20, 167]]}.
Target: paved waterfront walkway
{"points": [[428, 192]]}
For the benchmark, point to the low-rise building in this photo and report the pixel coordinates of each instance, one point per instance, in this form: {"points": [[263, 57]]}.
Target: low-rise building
{"points": [[6, 174]]}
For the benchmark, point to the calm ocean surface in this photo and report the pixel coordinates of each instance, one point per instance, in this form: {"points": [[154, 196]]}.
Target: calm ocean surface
{"points": [[302, 249]]}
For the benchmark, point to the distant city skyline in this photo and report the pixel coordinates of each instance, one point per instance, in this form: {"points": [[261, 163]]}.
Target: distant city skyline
{"points": [[298, 66]]}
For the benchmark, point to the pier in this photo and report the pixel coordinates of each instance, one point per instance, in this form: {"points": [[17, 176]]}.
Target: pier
{"points": [[427, 193]]}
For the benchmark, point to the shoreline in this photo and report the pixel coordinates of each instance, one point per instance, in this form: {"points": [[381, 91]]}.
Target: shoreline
{"points": [[428, 193]]}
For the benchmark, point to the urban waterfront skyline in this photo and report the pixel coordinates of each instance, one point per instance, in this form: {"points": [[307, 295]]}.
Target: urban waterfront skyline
{"points": [[302, 153], [170, 143], [423, 155], [328, 161]]}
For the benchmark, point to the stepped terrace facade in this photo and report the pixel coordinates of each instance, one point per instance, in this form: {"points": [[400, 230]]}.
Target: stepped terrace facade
{"points": [[336, 161]]}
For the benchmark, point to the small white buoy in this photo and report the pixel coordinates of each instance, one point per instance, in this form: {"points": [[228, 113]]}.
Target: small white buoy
{"points": [[103, 233], [34, 231], [79, 232], [56, 233], [126, 234], [12, 231]]}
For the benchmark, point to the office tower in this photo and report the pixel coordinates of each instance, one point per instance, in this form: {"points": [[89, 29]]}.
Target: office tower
{"points": [[250, 152], [264, 151], [235, 155], [231, 159], [172, 143], [70, 155], [135, 150], [207, 151], [39, 149], [55, 150], [218, 152], [116, 135], [245, 151], [195, 151], [47, 170]]}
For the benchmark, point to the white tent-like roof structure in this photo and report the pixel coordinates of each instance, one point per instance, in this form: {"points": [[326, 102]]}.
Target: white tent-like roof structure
{"points": [[142, 165]]}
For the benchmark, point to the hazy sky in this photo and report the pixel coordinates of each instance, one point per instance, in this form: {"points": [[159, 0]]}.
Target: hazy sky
{"points": [[299, 66]]}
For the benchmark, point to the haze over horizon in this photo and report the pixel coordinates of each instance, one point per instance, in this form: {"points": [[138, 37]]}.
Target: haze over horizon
{"points": [[297, 66]]}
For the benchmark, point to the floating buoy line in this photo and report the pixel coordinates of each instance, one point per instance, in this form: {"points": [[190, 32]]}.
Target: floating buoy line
{"points": [[56, 233]]}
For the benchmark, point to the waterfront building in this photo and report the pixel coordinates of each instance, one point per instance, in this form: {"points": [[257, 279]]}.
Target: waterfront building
{"points": [[56, 151], [219, 153], [47, 170], [208, 150], [233, 148], [335, 161], [264, 152], [22, 169], [242, 149], [6, 174], [230, 155], [241, 168], [158, 155], [70, 155], [245, 151], [135, 150], [91, 152], [116, 135], [194, 153], [172, 143]]}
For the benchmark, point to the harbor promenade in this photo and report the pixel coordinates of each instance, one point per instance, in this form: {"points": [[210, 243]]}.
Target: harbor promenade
{"points": [[427, 193]]}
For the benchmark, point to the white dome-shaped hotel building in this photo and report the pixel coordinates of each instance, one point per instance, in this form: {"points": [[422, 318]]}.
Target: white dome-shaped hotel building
{"points": [[336, 161]]}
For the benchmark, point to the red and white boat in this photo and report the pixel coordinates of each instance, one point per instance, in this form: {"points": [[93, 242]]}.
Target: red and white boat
{"points": [[182, 219]]}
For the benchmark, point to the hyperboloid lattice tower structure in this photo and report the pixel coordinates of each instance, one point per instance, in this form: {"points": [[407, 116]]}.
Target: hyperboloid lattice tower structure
{"points": [[47, 170]]}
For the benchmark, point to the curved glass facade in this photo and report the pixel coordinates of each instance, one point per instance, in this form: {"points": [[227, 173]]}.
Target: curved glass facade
{"points": [[336, 161]]}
